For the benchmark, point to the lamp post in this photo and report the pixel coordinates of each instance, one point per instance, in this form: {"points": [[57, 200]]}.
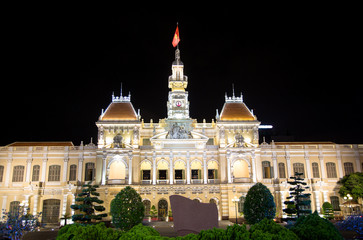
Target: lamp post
{"points": [[235, 200], [348, 197]]}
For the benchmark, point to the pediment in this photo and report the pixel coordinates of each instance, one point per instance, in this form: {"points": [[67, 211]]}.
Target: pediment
{"points": [[198, 141]]}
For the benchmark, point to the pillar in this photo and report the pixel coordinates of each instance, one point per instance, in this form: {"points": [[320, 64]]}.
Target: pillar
{"points": [[3, 207], [205, 168], [8, 169], [274, 164], [80, 167], [317, 201], [171, 169], [103, 177], [229, 177], [254, 173], [35, 204], [44, 168], [130, 168], [188, 167], [28, 168], [154, 168], [65, 168]]}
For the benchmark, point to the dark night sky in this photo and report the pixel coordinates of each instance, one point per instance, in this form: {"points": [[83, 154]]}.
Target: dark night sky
{"points": [[297, 70]]}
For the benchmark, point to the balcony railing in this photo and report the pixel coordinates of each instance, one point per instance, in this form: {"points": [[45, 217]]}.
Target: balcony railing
{"points": [[146, 182], [241, 180], [162, 181], [179, 181], [196, 181], [213, 181], [116, 181]]}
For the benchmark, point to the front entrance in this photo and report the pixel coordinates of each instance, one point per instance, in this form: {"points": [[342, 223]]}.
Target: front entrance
{"points": [[51, 211], [162, 209]]}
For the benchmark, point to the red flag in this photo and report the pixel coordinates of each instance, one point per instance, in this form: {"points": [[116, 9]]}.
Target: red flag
{"points": [[176, 38]]}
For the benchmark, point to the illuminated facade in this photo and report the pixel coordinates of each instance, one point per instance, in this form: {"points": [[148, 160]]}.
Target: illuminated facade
{"points": [[211, 162]]}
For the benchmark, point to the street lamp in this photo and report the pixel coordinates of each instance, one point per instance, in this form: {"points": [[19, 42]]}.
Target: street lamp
{"points": [[235, 200], [348, 197]]}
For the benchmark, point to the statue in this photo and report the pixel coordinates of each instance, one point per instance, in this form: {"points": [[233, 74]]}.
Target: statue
{"points": [[178, 132], [240, 141], [117, 141]]}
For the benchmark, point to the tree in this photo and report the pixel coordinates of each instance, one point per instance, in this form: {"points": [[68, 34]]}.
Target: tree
{"points": [[352, 184], [259, 204], [87, 199], [127, 209], [301, 200], [328, 210], [17, 222]]}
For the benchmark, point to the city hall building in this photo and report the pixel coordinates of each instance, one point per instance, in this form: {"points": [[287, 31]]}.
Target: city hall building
{"points": [[215, 161]]}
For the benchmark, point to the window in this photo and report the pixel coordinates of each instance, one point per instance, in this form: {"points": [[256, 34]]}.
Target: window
{"points": [[241, 204], [36, 170], [1, 173], [299, 168], [90, 172], [14, 206], [282, 170], [315, 167], [54, 173], [146, 174], [335, 203], [18, 174], [73, 172], [212, 174], [196, 173], [331, 170], [267, 170], [162, 174], [147, 205], [348, 168], [179, 174]]}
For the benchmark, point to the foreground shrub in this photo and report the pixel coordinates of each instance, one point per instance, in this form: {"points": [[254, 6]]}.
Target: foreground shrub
{"points": [[259, 204], [268, 229], [314, 227], [352, 223], [127, 209], [96, 232]]}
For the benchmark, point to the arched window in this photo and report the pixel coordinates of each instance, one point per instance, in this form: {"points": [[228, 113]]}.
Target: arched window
{"points": [[334, 200], [90, 172], [315, 167], [1, 173], [282, 170], [54, 173], [348, 168], [35, 175], [299, 168], [331, 170], [241, 204], [73, 172], [267, 170], [18, 173], [147, 205], [14, 206]]}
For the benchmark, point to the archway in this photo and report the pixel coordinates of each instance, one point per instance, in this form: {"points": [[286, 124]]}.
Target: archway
{"points": [[162, 209], [51, 211], [240, 169], [117, 170]]}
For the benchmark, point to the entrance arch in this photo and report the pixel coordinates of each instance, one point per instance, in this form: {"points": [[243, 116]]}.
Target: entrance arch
{"points": [[162, 209], [117, 170], [51, 211]]}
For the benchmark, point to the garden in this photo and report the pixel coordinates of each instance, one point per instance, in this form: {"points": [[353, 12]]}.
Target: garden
{"points": [[127, 212]]}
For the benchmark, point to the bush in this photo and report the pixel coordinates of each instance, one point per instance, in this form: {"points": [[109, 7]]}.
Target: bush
{"points": [[314, 227], [352, 223], [97, 232], [268, 229], [127, 209], [328, 210], [141, 232], [259, 204]]}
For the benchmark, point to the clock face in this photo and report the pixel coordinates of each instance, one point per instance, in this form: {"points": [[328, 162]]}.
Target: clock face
{"points": [[178, 103]]}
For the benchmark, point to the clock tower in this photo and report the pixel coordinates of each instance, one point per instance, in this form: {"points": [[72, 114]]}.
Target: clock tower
{"points": [[178, 104]]}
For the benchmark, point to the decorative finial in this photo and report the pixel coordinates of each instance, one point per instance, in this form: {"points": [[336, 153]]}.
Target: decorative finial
{"points": [[233, 90], [121, 90]]}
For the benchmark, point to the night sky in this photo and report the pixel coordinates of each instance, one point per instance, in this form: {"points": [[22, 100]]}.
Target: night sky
{"points": [[297, 69]]}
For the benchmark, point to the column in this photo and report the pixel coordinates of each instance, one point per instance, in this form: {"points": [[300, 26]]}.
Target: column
{"points": [[229, 177], [282, 196], [307, 163], [322, 165], [171, 169], [254, 173], [188, 167], [357, 159], [205, 168], [65, 167], [340, 168], [274, 164], [5, 198], [154, 168], [44, 168], [317, 201], [130, 168], [325, 194], [288, 163], [26, 203], [28, 167], [103, 177], [80, 167], [64, 209], [35, 204], [8, 169]]}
